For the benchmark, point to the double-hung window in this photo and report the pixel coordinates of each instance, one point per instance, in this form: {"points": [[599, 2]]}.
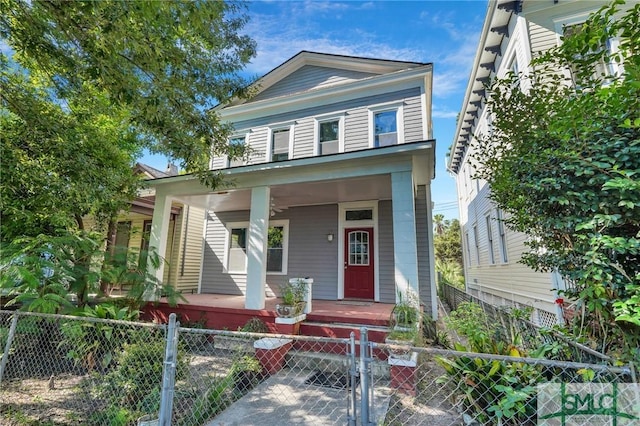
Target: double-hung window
{"points": [[476, 241], [277, 247], [492, 257], [236, 153], [280, 139], [329, 134], [386, 125], [329, 137], [502, 241], [604, 67]]}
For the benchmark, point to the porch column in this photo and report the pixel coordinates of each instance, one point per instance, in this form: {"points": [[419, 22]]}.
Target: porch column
{"points": [[158, 240], [405, 251], [257, 247]]}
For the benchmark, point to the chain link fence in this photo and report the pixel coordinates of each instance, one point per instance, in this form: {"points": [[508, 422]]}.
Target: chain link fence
{"points": [[85, 371]]}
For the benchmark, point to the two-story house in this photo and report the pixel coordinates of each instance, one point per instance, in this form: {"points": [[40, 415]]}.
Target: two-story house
{"points": [[514, 32], [335, 186]]}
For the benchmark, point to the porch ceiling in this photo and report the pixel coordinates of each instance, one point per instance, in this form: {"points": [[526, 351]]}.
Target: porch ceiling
{"points": [[376, 187]]}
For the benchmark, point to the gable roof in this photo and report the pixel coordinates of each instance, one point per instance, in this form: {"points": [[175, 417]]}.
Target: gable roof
{"points": [[151, 172], [342, 62]]}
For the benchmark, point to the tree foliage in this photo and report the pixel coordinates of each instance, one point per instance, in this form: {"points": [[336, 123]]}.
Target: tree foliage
{"points": [[448, 249], [563, 160], [86, 86]]}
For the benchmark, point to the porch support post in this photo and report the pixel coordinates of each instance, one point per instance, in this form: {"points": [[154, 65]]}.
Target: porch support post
{"points": [[158, 241], [405, 251], [257, 247]]}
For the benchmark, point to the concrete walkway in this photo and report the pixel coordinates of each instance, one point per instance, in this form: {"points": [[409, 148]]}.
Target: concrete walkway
{"points": [[285, 399]]}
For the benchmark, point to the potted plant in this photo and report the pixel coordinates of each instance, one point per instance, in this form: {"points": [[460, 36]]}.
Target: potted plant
{"points": [[406, 313], [293, 295]]}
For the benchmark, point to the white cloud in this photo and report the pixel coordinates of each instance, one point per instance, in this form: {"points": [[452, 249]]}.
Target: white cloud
{"points": [[278, 41], [443, 113]]}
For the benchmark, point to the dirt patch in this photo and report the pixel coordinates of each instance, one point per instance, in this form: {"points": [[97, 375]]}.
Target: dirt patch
{"points": [[430, 406]]}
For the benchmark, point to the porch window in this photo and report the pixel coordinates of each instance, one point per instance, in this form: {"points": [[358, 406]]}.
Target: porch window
{"points": [[237, 250], [280, 145], [277, 245]]}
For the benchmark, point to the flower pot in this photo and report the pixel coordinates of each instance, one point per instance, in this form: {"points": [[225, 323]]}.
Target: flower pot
{"points": [[289, 311]]}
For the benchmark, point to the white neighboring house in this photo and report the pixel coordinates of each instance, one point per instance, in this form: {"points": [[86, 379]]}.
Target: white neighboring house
{"points": [[513, 33], [336, 186]]}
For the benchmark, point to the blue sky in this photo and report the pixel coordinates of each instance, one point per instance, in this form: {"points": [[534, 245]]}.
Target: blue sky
{"points": [[445, 33]]}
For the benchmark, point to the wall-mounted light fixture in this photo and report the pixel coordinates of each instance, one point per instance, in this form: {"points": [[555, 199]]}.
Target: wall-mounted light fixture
{"points": [[330, 237]]}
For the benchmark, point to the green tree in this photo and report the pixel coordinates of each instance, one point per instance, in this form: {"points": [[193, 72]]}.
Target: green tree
{"points": [[448, 250], [563, 160], [91, 84], [84, 88]]}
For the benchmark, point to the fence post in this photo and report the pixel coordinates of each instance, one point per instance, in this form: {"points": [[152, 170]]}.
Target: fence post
{"points": [[364, 377], [353, 373], [7, 346], [169, 373]]}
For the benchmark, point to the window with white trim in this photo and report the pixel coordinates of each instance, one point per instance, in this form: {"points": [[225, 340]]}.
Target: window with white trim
{"points": [[277, 247], [386, 125], [328, 137], [502, 237], [468, 246], [492, 256], [476, 241], [280, 139], [602, 69], [237, 150]]}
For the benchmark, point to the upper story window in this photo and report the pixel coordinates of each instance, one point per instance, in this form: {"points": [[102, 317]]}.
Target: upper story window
{"points": [[603, 68], [385, 128], [280, 141], [329, 140], [329, 134], [386, 125], [237, 149]]}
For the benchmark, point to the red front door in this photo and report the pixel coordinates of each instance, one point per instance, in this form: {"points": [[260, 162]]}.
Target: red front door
{"points": [[358, 263]]}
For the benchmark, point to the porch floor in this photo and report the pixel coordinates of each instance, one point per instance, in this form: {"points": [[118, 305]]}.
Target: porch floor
{"points": [[328, 311]]}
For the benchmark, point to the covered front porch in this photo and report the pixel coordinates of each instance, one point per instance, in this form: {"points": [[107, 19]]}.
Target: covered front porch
{"points": [[227, 312], [331, 214]]}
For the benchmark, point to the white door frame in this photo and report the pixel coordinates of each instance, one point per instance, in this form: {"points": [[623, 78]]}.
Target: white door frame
{"points": [[342, 225]]}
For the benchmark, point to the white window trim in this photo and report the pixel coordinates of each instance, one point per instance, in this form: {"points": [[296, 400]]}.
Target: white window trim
{"points": [[490, 239], [237, 135], [390, 106], [342, 225], [274, 128], [476, 242], [285, 246], [579, 18], [316, 130], [502, 237]]}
